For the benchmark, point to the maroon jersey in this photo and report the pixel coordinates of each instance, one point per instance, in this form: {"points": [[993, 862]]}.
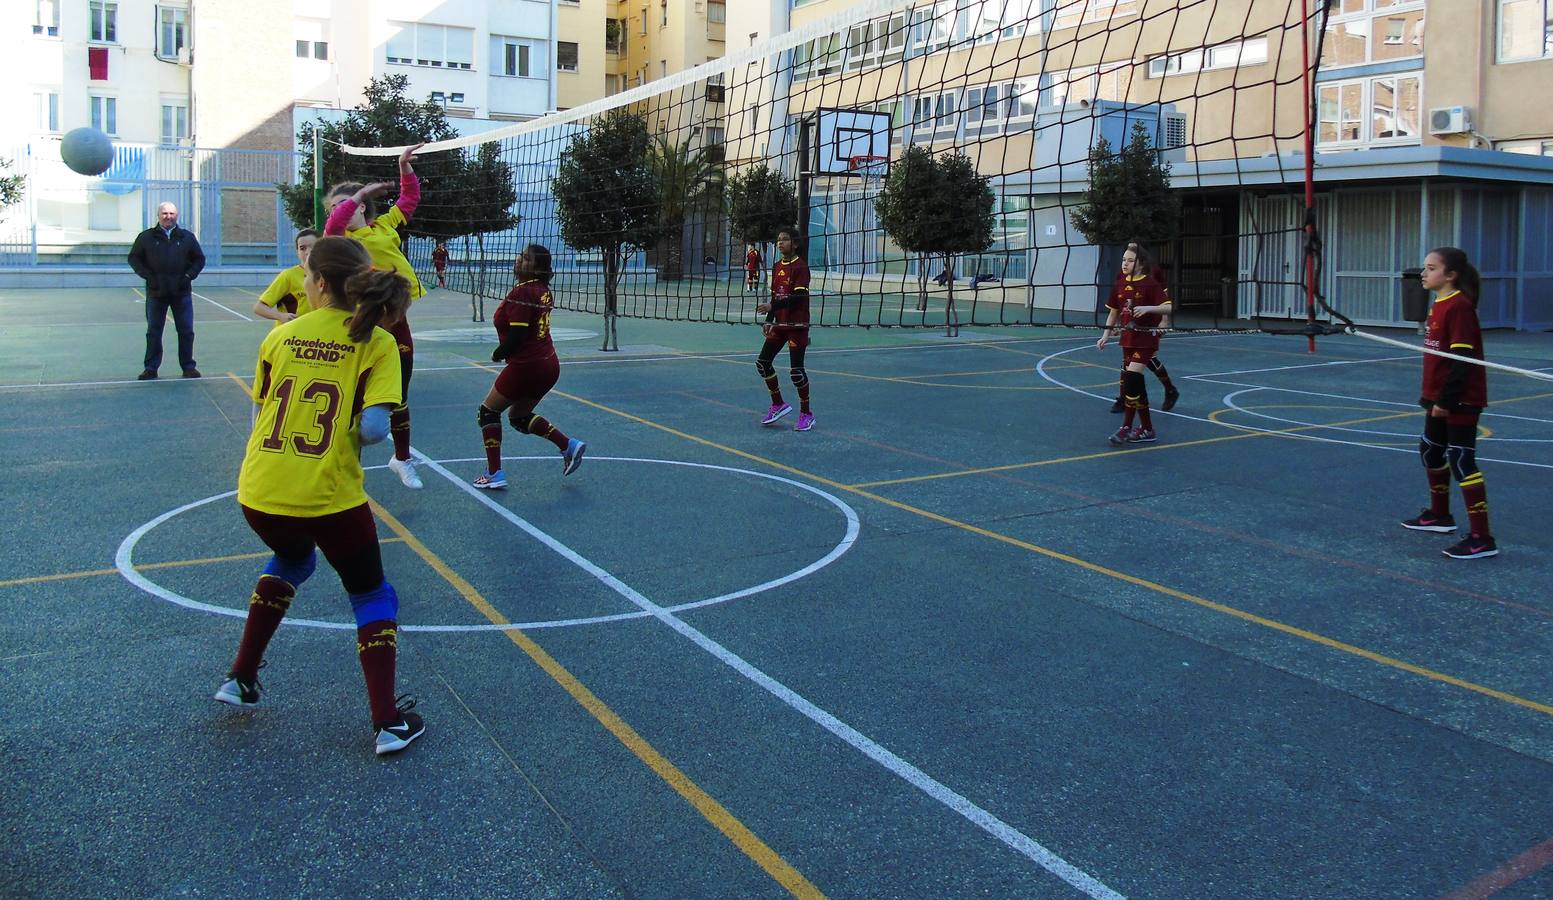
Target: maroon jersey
{"points": [[527, 306], [790, 292], [752, 262], [1137, 331], [439, 257], [1453, 327]]}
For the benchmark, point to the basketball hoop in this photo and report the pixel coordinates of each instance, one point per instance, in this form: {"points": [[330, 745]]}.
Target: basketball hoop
{"points": [[869, 167]]}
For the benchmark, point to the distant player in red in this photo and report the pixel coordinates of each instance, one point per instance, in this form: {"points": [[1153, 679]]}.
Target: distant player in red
{"points": [[523, 328], [1137, 304], [1156, 365], [751, 268], [787, 322], [439, 261], [1453, 397]]}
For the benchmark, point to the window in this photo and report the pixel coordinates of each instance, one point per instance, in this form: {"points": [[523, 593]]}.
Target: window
{"points": [[1382, 110], [105, 114], [437, 46], [983, 105], [47, 104], [714, 135], [1021, 99], [663, 22], [663, 68], [175, 121], [172, 31], [611, 85], [566, 56], [716, 12], [104, 21], [45, 18], [312, 49], [1525, 29], [614, 36], [1252, 52], [516, 57], [1366, 31], [1528, 148], [644, 20]]}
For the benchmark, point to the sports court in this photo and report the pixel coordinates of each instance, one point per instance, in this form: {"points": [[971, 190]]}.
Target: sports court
{"points": [[949, 643]]}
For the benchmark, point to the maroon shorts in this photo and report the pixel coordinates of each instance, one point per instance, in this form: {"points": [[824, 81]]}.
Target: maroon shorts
{"points": [[794, 338], [348, 540], [1132, 355], [529, 379]]}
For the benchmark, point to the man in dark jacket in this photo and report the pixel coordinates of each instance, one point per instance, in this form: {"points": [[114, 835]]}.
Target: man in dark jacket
{"points": [[169, 258]]}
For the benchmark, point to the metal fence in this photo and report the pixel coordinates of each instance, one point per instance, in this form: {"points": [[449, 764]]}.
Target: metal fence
{"points": [[228, 198]]}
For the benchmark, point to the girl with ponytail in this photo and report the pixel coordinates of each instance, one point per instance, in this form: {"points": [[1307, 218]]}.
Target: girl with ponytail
{"points": [[324, 387], [1454, 394]]}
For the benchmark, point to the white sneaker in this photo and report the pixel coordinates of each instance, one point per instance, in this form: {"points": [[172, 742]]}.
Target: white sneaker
{"points": [[405, 469]]}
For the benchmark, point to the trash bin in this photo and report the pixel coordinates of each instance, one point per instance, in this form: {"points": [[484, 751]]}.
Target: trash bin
{"points": [[1415, 300], [1229, 302]]}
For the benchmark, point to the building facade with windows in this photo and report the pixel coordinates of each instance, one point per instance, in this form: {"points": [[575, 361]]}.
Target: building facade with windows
{"points": [[1427, 114]]}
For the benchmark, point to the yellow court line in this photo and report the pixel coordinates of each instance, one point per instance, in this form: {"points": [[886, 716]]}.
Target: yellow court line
{"points": [[715, 813], [1096, 568], [959, 473], [917, 379], [146, 567]]}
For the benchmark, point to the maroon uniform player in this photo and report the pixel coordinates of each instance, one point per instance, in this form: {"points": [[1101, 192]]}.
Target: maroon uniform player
{"points": [[532, 369], [751, 268], [1453, 396], [1155, 364], [1137, 305], [439, 261], [787, 322]]}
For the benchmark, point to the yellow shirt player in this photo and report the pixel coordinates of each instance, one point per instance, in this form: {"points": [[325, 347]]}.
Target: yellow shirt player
{"points": [[286, 297], [353, 213], [324, 384]]}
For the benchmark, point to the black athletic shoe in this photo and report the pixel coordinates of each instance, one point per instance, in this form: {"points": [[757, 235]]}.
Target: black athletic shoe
{"points": [[1171, 396], [191, 372], [1428, 521], [1475, 546], [146, 375], [1118, 406], [237, 692], [391, 737]]}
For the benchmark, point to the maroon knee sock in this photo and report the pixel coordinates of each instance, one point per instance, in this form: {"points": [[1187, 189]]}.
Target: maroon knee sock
{"points": [[377, 646], [271, 598]]}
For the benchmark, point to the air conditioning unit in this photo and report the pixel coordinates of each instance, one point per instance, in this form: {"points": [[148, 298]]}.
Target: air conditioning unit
{"points": [[185, 58], [1449, 120], [1172, 131]]}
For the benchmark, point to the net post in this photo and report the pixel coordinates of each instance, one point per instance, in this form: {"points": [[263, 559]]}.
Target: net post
{"points": [[318, 181], [1308, 106]]}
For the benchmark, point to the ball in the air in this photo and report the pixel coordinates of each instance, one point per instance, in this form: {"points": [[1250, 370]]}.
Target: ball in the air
{"points": [[87, 151]]}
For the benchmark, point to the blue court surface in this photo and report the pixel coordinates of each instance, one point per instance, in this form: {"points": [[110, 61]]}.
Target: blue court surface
{"points": [[950, 643]]}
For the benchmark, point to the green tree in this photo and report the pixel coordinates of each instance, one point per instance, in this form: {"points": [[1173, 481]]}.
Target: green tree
{"points": [[479, 202], [690, 181], [939, 207], [761, 202], [388, 118], [607, 199], [1129, 199], [13, 186]]}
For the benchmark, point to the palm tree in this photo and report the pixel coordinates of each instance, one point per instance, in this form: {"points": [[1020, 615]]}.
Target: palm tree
{"points": [[690, 181]]}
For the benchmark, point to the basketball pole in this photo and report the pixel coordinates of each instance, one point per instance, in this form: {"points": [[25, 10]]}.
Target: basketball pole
{"points": [[1307, 103]]}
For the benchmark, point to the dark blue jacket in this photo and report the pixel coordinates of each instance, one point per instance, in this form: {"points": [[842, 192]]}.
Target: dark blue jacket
{"points": [[168, 263]]}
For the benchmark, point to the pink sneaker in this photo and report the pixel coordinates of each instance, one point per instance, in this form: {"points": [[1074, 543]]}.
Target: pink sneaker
{"points": [[805, 422], [777, 411], [1121, 437]]}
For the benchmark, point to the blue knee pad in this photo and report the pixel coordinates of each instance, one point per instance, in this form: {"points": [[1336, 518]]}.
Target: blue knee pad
{"points": [[376, 605], [1432, 454], [292, 571]]}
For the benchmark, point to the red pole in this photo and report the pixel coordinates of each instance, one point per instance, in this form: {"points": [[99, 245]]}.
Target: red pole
{"points": [[1308, 104]]}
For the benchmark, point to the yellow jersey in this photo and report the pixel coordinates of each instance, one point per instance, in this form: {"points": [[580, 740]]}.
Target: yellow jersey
{"points": [[304, 456], [286, 292], [381, 239]]}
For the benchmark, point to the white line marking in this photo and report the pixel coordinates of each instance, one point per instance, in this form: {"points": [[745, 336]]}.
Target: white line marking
{"points": [[1413, 405], [222, 305], [1040, 369], [979, 817], [1341, 362], [1229, 400], [124, 559]]}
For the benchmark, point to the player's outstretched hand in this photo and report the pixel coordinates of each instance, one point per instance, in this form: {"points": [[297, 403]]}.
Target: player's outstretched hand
{"points": [[408, 156], [763, 308], [1104, 337], [375, 189]]}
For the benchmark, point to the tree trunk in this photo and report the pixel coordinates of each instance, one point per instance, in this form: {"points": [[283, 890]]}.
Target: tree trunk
{"points": [[611, 292], [480, 283], [473, 316], [671, 253], [1108, 267], [951, 315], [922, 284]]}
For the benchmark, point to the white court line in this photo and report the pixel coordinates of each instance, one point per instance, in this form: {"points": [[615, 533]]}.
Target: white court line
{"points": [[979, 817], [124, 560], [1413, 405], [1040, 369], [222, 305], [1341, 362]]}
